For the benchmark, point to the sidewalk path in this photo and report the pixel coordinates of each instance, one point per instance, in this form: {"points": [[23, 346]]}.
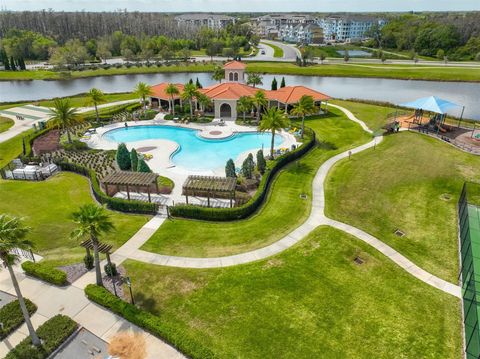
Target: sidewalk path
{"points": [[317, 218]]}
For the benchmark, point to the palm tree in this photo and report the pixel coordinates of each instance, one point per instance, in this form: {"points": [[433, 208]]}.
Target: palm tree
{"points": [[203, 100], [305, 106], [12, 236], [218, 73], [254, 79], [190, 92], [92, 221], [273, 120], [259, 100], [142, 90], [172, 90], [95, 97], [244, 105], [64, 115]]}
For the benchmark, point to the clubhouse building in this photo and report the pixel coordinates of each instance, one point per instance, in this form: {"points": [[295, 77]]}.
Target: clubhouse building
{"points": [[225, 95]]}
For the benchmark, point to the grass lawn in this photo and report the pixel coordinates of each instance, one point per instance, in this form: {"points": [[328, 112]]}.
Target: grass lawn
{"points": [[82, 100], [277, 51], [47, 206], [283, 211], [311, 301], [411, 182], [11, 148], [5, 123]]}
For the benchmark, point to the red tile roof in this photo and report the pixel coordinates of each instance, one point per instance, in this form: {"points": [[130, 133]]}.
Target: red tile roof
{"points": [[235, 65], [292, 94], [229, 91], [159, 91]]}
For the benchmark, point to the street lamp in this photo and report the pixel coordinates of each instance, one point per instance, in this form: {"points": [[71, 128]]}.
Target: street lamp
{"points": [[129, 284]]}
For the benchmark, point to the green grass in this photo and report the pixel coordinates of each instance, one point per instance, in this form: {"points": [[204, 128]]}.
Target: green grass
{"points": [[11, 148], [375, 117], [411, 182], [5, 123], [47, 207], [283, 211], [82, 100], [311, 301], [277, 51]]}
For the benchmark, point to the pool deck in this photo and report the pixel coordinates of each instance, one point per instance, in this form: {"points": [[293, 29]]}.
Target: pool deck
{"points": [[163, 150]]}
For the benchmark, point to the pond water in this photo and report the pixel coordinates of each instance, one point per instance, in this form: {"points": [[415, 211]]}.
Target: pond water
{"points": [[394, 91], [196, 153], [355, 53]]}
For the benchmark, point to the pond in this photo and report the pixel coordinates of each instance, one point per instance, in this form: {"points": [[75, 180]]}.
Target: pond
{"points": [[394, 91]]}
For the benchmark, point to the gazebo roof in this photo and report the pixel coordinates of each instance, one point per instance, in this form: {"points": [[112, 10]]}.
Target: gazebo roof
{"points": [[210, 184], [234, 65], [102, 247], [131, 178]]}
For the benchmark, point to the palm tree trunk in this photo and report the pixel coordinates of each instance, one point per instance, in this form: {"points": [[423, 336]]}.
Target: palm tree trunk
{"points": [[191, 108], [303, 125], [244, 114], [273, 143], [96, 111], [26, 315], [144, 104], [172, 106], [96, 255], [68, 134], [258, 114]]}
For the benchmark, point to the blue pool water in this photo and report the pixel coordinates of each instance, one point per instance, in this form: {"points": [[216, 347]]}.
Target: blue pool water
{"points": [[196, 153]]}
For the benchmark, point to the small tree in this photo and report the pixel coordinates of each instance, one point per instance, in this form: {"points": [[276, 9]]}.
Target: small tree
{"points": [[230, 169], [123, 157], [274, 84], [440, 54], [477, 57], [218, 73], [248, 166], [244, 105], [12, 64], [64, 116], [254, 79], [346, 56], [283, 82], [261, 163], [273, 120], [142, 166], [172, 90], [322, 57], [383, 58], [133, 159], [95, 97], [198, 84], [142, 90]]}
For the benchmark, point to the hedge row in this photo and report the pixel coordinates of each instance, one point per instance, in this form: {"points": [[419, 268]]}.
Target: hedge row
{"points": [[229, 214], [116, 204], [11, 316], [52, 333], [45, 272], [107, 113], [176, 337]]}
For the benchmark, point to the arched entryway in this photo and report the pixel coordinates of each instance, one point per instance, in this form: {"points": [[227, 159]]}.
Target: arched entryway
{"points": [[230, 76], [235, 77], [225, 111]]}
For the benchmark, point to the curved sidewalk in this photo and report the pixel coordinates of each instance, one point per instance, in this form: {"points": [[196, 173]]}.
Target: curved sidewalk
{"points": [[317, 217]]}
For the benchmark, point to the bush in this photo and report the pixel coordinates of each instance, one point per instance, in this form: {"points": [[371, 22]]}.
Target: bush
{"points": [[168, 117], [261, 163], [133, 159], [230, 169], [248, 166], [175, 336], [247, 209], [52, 333], [88, 260], [111, 270], [11, 316], [76, 145], [116, 204], [45, 272], [142, 166], [123, 157]]}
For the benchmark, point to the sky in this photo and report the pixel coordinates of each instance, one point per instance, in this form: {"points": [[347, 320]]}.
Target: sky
{"points": [[244, 5]]}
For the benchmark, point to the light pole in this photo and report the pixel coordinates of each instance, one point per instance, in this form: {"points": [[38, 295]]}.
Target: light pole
{"points": [[129, 284]]}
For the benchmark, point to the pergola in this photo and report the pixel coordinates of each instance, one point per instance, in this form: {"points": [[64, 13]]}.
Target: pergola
{"points": [[209, 186], [135, 180]]}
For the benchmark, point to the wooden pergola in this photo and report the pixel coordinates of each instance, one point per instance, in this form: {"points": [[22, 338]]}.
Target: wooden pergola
{"points": [[102, 248], [210, 186], [132, 180]]}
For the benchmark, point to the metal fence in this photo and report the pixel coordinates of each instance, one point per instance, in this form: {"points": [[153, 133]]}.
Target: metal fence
{"points": [[469, 230]]}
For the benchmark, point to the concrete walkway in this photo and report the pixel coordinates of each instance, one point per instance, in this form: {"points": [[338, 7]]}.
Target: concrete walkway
{"points": [[317, 217]]}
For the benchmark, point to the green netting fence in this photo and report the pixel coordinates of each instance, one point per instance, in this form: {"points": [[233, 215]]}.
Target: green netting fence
{"points": [[469, 226]]}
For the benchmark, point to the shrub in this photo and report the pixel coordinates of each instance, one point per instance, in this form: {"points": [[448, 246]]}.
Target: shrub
{"points": [[248, 166], [261, 163], [133, 159], [111, 270], [11, 316], [45, 272], [52, 334], [177, 337], [230, 169], [88, 260], [142, 166], [247, 209], [76, 145], [168, 117], [123, 157]]}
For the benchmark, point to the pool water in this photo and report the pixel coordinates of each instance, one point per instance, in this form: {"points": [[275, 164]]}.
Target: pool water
{"points": [[195, 152]]}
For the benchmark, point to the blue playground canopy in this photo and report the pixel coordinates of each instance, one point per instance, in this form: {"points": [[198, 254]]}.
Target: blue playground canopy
{"points": [[432, 103]]}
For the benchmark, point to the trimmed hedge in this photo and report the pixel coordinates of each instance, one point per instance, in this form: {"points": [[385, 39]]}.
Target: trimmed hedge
{"points": [[45, 272], [247, 209], [175, 336], [11, 316], [52, 333], [108, 112], [116, 204]]}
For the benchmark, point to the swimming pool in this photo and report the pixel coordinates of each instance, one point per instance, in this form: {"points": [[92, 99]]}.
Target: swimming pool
{"points": [[195, 152]]}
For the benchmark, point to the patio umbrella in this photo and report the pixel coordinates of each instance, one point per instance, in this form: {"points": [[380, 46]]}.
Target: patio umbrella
{"points": [[432, 104]]}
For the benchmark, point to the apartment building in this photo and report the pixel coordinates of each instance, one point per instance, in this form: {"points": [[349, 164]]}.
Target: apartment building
{"points": [[348, 28], [212, 21]]}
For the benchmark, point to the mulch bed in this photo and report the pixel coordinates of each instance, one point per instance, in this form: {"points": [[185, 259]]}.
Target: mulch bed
{"points": [[107, 282], [74, 271], [49, 142]]}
